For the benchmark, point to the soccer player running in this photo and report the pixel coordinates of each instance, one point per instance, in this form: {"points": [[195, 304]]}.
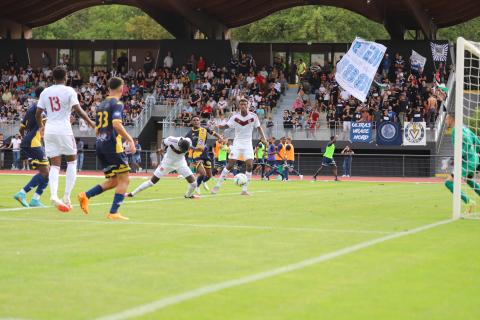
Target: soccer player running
{"points": [[470, 161], [244, 122], [109, 149], [33, 150], [328, 159], [201, 157], [58, 101], [174, 150]]}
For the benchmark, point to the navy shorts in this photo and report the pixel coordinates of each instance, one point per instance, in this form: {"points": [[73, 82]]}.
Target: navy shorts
{"points": [[271, 163], [35, 155], [327, 162], [113, 163], [205, 159]]}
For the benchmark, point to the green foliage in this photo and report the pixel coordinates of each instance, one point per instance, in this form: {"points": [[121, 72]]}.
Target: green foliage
{"points": [[104, 22], [306, 23], [469, 30], [146, 28], [311, 23]]}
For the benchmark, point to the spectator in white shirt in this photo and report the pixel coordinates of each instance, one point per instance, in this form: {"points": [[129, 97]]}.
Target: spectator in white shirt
{"points": [[344, 95], [209, 74], [206, 85], [168, 61], [264, 73], [15, 145], [150, 100], [278, 86], [250, 79], [221, 106]]}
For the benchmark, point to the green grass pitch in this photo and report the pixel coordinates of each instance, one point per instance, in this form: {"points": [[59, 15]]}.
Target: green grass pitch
{"points": [[72, 266]]}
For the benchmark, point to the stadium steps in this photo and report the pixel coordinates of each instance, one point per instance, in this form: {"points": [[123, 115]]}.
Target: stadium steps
{"points": [[285, 103]]}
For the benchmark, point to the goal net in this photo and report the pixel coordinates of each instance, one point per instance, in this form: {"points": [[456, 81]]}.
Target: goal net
{"points": [[466, 200]]}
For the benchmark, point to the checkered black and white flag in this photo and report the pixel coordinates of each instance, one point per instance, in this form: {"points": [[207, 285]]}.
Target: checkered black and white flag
{"points": [[439, 51]]}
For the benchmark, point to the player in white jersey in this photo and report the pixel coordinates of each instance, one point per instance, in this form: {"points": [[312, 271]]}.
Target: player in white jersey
{"points": [[58, 101], [174, 150], [244, 122]]}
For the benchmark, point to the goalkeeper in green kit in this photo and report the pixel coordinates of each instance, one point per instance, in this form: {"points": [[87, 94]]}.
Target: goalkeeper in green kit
{"points": [[470, 160]]}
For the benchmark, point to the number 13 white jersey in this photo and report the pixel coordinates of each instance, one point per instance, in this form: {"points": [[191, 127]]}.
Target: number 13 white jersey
{"points": [[57, 101]]}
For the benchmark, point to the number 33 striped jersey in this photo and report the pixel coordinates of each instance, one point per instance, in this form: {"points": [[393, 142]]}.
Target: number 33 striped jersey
{"points": [[108, 112]]}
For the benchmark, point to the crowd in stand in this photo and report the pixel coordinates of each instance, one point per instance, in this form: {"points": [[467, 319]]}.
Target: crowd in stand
{"points": [[17, 92], [215, 92], [399, 93]]}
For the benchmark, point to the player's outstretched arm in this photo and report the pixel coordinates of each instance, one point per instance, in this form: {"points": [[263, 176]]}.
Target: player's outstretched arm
{"points": [[217, 135], [120, 129], [262, 135], [23, 126], [39, 119], [82, 114]]}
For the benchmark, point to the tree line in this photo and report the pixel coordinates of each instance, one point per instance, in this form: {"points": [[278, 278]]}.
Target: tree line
{"points": [[303, 24]]}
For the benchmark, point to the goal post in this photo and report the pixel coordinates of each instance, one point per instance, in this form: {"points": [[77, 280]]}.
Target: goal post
{"points": [[467, 114]]}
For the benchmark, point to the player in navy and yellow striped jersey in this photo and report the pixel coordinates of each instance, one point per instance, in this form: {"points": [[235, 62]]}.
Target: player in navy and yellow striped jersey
{"points": [[110, 132], [201, 151], [33, 150]]}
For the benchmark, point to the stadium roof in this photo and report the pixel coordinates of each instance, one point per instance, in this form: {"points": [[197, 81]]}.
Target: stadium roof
{"points": [[214, 17]]}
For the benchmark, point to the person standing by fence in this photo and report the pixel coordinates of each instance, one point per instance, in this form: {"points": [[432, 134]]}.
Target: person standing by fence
{"points": [[2, 151], [347, 161], [15, 145], [80, 154]]}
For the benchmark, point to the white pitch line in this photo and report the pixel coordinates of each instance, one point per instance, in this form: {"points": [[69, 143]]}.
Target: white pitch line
{"points": [[133, 201], [200, 225], [195, 293]]}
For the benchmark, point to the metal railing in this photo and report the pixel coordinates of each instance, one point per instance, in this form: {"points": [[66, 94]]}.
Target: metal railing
{"points": [[446, 106], [322, 133], [380, 165]]}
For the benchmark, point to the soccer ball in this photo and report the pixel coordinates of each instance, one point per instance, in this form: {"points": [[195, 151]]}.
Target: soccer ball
{"points": [[240, 179]]}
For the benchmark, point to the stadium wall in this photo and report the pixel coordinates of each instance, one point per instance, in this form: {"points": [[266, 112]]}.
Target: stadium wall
{"points": [[29, 51]]}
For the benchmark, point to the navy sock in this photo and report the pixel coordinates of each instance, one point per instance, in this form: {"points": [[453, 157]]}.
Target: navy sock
{"points": [[95, 191], [42, 186], [285, 172], [35, 181], [117, 201], [199, 180], [205, 179]]}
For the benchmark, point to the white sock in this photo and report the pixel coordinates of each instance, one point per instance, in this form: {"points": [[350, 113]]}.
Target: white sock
{"points": [[249, 176], [53, 179], [71, 177], [23, 191], [143, 186], [36, 196], [223, 175], [191, 187]]}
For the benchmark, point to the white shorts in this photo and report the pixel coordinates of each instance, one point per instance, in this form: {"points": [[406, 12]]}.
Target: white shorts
{"points": [[245, 153], [167, 167], [58, 145]]}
